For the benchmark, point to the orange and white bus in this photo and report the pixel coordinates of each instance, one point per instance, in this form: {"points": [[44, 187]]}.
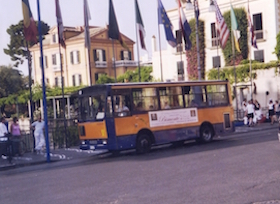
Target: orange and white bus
{"points": [[138, 116]]}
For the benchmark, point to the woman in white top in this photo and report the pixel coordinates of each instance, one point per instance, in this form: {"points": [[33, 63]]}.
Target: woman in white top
{"points": [[39, 134], [250, 109], [271, 111]]}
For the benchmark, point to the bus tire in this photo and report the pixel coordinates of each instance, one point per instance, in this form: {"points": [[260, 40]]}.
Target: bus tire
{"points": [[143, 144], [206, 133]]}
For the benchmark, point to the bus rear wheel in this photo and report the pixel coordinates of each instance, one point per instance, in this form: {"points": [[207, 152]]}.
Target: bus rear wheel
{"points": [[143, 144], [206, 134]]}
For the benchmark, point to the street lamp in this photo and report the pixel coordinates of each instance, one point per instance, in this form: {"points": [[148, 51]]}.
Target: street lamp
{"points": [[212, 7]]}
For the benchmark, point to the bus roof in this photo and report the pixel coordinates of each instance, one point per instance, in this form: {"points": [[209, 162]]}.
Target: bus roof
{"points": [[151, 84]]}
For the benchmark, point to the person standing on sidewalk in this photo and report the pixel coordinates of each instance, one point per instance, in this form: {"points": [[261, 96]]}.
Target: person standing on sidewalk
{"points": [[39, 126], [3, 128], [15, 131], [277, 110], [271, 111], [250, 112]]}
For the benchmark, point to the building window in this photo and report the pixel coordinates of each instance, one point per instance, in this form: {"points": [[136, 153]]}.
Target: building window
{"points": [[216, 61], [180, 70], [179, 47], [125, 55], [54, 38], [145, 99], [57, 81], [259, 55], [99, 55], [97, 76], [258, 27], [171, 97], [55, 59], [214, 35], [77, 80], [45, 62], [75, 57]]}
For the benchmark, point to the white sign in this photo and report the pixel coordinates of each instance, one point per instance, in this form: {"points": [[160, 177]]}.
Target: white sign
{"points": [[173, 117]]}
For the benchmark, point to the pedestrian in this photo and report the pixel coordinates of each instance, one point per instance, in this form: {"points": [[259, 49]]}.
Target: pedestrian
{"points": [[39, 126], [277, 110], [258, 112], [250, 112], [244, 108], [15, 131], [3, 128], [271, 111]]}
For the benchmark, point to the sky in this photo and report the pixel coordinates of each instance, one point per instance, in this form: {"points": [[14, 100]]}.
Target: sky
{"points": [[72, 15]]}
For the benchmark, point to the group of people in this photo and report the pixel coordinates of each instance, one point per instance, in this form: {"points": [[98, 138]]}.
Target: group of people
{"points": [[253, 113], [15, 132]]}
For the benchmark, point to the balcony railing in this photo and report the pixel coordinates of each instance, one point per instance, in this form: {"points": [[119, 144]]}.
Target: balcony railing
{"points": [[100, 64], [56, 69], [126, 63]]}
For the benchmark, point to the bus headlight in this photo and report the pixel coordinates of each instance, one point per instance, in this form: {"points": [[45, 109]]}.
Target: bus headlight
{"points": [[83, 142], [104, 142]]}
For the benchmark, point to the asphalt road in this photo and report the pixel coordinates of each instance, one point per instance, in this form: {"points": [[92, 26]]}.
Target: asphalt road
{"points": [[239, 169]]}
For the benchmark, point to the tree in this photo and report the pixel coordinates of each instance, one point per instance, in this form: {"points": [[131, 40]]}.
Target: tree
{"points": [[242, 20], [192, 53], [11, 82], [277, 47], [17, 48]]}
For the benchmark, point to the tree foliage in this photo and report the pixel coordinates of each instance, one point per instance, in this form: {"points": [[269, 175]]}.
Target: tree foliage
{"points": [[241, 17], [129, 76], [17, 48], [277, 47], [192, 54]]}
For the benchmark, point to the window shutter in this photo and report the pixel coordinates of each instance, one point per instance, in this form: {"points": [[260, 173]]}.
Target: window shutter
{"points": [[78, 57], [94, 55], [54, 59], [73, 80], [216, 61], [179, 36], [56, 81], [80, 79], [104, 55], [129, 55], [72, 57], [122, 56], [46, 61]]}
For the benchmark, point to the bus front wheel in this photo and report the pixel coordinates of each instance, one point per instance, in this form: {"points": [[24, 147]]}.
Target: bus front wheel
{"points": [[206, 134], [143, 144]]}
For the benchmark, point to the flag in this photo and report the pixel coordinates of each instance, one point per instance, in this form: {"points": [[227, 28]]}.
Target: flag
{"points": [[164, 20], [184, 26], [222, 28], [114, 32], [59, 24], [140, 26], [196, 9], [87, 17], [251, 26], [30, 28], [234, 28]]}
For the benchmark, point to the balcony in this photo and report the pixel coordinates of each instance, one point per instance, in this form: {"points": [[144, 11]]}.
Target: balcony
{"points": [[56, 69], [100, 64], [126, 63]]}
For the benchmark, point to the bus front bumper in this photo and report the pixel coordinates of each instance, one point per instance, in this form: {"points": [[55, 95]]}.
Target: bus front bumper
{"points": [[93, 144]]}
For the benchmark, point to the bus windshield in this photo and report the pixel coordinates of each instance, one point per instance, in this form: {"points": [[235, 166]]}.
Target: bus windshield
{"points": [[92, 107]]}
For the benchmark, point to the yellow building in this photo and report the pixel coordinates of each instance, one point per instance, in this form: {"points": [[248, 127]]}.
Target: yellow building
{"points": [[75, 61]]}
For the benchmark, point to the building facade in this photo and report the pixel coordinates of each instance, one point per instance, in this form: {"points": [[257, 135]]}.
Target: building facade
{"points": [[75, 58], [265, 15]]}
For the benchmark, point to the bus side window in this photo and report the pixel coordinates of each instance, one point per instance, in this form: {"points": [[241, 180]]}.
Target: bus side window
{"points": [[171, 97], [144, 99], [122, 102]]}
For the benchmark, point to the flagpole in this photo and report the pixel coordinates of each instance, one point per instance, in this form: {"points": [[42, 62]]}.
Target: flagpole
{"points": [[197, 43], [161, 74], [137, 42], [217, 42], [43, 84], [250, 57], [63, 97], [30, 90], [235, 90], [114, 61]]}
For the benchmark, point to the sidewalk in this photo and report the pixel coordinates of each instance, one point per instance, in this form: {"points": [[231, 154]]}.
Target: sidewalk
{"points": [[56, 155]]}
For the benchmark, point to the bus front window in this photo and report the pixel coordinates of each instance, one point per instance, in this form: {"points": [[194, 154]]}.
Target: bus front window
{"points": [[92, 107]]}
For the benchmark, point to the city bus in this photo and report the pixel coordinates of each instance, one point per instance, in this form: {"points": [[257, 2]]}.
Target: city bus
{"points": [[122, 116]]}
